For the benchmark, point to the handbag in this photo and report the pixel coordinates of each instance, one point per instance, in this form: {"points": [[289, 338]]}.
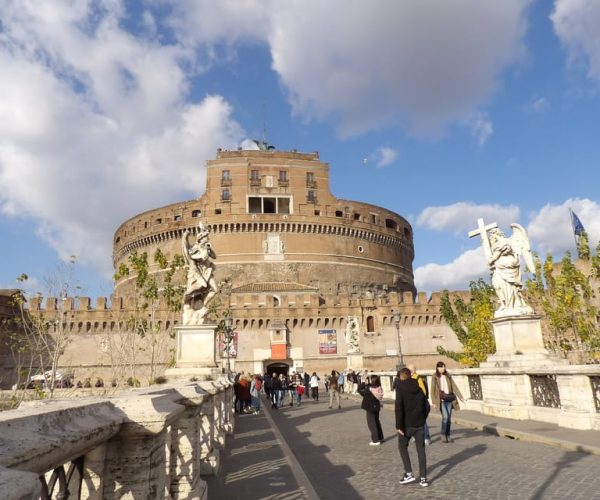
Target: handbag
{"points": [[447, 397], [373, 403]]}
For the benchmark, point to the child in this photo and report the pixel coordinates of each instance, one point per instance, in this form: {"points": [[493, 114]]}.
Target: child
{"points": [[301, 390]]}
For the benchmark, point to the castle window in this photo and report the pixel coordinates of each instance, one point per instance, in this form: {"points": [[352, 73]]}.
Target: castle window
{"points": [[339, 213], [269, 205], [196, 213], [310, 197], [283, 178], [391, 224], [225, 195], [310, 179], [118, 239], [217, 211], [373, 219], [356, 216], [317, 212], [255, 205], [177, 217], [370, 324], [407, 232], [225, 175], [254, 175], [283, 205], [158, 221]]}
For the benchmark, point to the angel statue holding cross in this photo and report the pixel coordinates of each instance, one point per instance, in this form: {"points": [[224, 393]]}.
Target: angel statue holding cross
{"points": [[504, 259]]}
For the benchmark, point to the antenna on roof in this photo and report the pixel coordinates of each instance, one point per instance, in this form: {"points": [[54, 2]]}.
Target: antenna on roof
{"points": [[264, 110]]}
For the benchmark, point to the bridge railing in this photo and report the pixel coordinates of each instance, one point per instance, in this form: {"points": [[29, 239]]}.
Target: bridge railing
{"points": [[566, 395], [145, 443]]}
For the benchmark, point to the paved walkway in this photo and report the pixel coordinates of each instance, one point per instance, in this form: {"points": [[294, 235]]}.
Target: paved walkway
{"points": [[314, 452]]}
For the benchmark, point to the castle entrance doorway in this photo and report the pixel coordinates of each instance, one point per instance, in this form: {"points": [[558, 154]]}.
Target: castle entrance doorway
{"points": [[277, 368]]}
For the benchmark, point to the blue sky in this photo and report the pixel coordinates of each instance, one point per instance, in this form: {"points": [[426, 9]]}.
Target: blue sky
{"points": [[441, 111]]}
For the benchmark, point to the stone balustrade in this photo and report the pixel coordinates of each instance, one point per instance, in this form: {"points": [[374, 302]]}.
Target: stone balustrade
{"points": [[566, 395], [155, 442]]}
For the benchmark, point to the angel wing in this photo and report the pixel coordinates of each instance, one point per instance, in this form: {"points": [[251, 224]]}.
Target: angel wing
{"points": [[519, 241]]}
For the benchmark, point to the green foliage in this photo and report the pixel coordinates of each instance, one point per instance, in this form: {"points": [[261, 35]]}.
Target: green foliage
{"points": [[471, 323], [583, 246], [563, 294]]}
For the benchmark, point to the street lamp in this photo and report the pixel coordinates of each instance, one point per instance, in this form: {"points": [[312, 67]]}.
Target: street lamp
{"points": [[227, 325], [397, 323]]}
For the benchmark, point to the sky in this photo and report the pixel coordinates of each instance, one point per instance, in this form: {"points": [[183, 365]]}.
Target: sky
{"points": [[443, 111]]}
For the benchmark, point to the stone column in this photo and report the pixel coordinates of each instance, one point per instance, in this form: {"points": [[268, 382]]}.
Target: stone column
{"points": [[94, 462], [576, 401], [136, 462], [209, 453]]}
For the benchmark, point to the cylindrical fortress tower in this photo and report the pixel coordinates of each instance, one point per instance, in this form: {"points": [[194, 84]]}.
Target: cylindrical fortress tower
{"points": [[273, 219]]}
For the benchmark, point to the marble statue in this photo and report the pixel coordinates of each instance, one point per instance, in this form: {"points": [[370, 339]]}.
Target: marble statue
{"points": [[201, 286], [504, 257], [352, 335]]}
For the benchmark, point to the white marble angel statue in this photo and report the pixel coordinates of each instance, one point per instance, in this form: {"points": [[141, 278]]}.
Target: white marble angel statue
{"points": [[504, 259], [352, 335], [201, 286]]}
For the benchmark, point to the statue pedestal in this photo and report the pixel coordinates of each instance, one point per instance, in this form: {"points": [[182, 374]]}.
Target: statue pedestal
{"points": [[195, 353], [519, 343], [355, 361]]}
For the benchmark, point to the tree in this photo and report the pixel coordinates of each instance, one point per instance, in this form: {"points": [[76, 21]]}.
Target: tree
{"points": [[564, 295], [583, 246], [39, 339], [470, 321], [154, 304]]}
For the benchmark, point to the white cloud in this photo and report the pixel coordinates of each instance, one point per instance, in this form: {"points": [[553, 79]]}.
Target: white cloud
{"points": [[462, 217], [456, 275], [367, 65], [539, 105], [550, 229], [576, 24], [384, 156], [481, 129], [94, 123], [249, 144]]}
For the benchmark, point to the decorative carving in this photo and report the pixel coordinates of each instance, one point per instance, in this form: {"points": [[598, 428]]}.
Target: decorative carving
{"points": [[201, 286], [544, 390], [352, 334], [475, 387], [504, 259]]}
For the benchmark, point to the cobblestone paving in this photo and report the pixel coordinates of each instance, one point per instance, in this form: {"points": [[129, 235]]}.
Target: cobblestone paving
{"points": [[333, 449]]}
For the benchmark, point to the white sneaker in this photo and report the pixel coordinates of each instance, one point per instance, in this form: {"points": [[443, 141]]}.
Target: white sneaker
{"points": [[375, 443], [408, 478], [428, 442]]}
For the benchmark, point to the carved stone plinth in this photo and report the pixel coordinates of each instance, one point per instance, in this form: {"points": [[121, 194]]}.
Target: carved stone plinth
{"points": [[519, 343], [195, 356], [355, 361]]}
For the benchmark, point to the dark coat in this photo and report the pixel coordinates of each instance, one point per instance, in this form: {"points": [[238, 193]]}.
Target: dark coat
{"points": [[368, 401], [435, 391], [411, 405]]}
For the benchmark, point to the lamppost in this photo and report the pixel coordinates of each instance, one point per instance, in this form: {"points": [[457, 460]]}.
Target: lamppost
{"points": [[397, 323], [227, 325]]}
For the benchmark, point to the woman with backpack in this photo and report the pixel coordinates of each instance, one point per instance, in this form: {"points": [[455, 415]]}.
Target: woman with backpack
{"points": [[372, 394], [445, 395], [314, 387]]}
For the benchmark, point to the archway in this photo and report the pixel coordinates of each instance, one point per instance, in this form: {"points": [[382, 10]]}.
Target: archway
{"points": [[278, 368]]}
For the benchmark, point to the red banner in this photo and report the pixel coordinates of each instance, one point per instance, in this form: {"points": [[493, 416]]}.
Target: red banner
{"points": [[278, 351]]}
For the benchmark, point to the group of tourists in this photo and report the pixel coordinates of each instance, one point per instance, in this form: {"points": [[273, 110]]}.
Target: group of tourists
{"points": [[411, 410]]}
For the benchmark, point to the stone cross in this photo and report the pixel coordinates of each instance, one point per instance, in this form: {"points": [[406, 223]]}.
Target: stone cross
{"points": [[482, 230]]}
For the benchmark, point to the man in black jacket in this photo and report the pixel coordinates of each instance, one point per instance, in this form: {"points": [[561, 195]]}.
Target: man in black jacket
{"points": [[412, 409]]}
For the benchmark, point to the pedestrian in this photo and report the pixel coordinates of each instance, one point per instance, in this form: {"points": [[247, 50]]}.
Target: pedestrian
{"points": [[292, 388], [314, 387], [306, 380], [425, 389], [255, 388], [341, 381], [334, 392], [326, 382], [275, 386], [396, 380], [301, 389], [445, 395], [244, 394], [411, 409], [283, 388], [372, 394]]}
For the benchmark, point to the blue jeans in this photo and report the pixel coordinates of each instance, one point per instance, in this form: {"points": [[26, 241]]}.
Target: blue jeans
{"points": [[446, 408], [256, 402]]}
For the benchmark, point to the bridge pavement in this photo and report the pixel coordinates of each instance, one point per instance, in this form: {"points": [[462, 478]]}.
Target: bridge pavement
{"points": [[314, 452]]}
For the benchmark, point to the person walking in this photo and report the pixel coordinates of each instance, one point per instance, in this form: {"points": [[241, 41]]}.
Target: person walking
{"points": [[341, 382], [326, 382], [411, 410], [334, 391], [425, 389], [445, 395], [314, 387], [255, 388], [283, 388], [372, 394], [275, 386]]}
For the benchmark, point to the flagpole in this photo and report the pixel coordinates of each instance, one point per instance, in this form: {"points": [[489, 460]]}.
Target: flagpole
{"points": [[573, 229]]}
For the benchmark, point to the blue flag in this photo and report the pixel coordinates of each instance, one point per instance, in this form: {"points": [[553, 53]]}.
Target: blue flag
{"points": [[577, 225]]}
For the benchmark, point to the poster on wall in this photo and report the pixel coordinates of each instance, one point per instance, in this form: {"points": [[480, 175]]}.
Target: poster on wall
{"points": [[327, 342], [232, 346]]}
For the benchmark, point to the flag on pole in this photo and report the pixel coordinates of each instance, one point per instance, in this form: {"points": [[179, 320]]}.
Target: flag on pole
{"points": [[578, 228]]}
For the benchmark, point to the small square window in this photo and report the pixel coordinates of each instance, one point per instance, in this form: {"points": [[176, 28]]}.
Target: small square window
{"points": [[177, 217], [217, 211]]}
